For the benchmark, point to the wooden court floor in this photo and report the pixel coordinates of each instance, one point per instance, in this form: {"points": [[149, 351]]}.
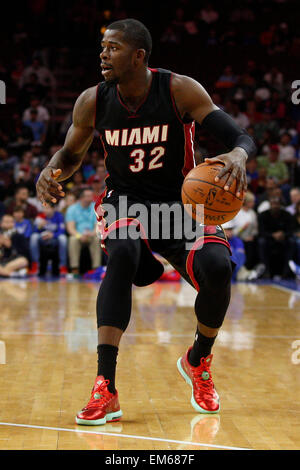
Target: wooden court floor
{"points": [[48, 334]]}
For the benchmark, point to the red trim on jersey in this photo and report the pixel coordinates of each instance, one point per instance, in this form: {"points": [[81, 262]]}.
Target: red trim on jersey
{"points": [[152, 70], [190, 257], [95, 117], [104, 148], [189, 134], [139, 106]]}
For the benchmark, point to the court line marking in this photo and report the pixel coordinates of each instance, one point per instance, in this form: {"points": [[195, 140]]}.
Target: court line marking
{"points": [[160, 439], [150, 335], [285, 289]]}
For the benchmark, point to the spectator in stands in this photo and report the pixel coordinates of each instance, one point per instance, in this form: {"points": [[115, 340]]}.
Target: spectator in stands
{"points": [[37, 127], [81, 226], [42, 112], [240, 118], [77, 184], [227, 79], [7, 163], [39, 157], [252, 174], [295, 198], [22, 225], [246, 228], [49, 233], [24, 170], [12, 249], [30, 90], [237, 249], [66, 202], [274, 78], [253, 115], [276, 242], [45, 77], [267, 123], [100, 174], [21, 136], [275, 168], [17, 71], [287, 152], [20, 199], [170, 36], [208, 14], [272, 189]]}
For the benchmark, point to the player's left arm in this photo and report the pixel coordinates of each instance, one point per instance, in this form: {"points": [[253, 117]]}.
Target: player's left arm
{"points": [[193, 101]]}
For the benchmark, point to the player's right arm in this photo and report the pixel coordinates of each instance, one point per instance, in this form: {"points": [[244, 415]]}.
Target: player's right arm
{"points": [[68, 159]]}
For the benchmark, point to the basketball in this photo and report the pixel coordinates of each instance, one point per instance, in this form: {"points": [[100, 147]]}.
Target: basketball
{"points": [[200, 187]]}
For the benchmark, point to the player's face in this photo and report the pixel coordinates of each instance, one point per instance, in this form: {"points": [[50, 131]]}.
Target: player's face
{"points": [[117, 57]]}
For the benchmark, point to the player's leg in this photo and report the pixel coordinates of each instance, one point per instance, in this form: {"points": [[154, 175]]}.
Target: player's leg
{"points": [[212, 272], [211, 275], [209, 270], [113, 315], [115, 300]]}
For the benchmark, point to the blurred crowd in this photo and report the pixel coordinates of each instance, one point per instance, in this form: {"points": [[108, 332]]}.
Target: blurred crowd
{"points": [[246, 57]]}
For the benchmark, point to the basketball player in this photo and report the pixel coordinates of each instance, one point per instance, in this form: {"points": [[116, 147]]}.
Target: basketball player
{"points": [[145, 118]]}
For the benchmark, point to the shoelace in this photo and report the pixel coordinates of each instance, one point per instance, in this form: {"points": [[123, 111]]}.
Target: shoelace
{"points": [[100, 395], [203, 384]]}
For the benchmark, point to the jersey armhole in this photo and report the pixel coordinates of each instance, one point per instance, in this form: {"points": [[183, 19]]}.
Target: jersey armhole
{"points": [[182, 121], [173, 100]]}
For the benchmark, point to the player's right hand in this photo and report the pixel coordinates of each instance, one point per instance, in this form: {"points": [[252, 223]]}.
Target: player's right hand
{"points": [[47, 188]]}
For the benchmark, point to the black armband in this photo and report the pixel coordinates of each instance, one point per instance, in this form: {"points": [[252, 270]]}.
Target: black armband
{"points": [[225, 130]]}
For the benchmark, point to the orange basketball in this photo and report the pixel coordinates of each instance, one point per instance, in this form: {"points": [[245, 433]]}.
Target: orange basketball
{"points": [[200, 187]]}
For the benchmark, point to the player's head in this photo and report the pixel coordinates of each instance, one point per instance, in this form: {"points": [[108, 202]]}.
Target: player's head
{"points": [[127, 46]]}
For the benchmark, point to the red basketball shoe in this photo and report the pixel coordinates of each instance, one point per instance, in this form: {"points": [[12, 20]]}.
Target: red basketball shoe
{"points": [[34, 269], [204, 396], [103, 406]]}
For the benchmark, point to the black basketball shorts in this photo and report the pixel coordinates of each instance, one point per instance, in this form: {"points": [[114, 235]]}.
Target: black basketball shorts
{"points": [[164, 227]]}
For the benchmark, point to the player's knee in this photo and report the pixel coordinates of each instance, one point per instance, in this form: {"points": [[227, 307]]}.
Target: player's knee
{"points": [[220, 272], [124, 252], [216, 270]]}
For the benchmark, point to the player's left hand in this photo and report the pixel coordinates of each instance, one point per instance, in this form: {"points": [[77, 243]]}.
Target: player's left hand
{"points": [[235, 167]]}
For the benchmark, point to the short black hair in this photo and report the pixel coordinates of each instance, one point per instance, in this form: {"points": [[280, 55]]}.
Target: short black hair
{"points": [[135, 33]]}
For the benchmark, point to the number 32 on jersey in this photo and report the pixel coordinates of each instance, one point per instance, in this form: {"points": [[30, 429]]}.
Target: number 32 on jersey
{"points": [[139, 159]]}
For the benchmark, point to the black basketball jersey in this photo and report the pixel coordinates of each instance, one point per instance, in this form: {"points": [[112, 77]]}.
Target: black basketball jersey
{"points": [[148, 152]]}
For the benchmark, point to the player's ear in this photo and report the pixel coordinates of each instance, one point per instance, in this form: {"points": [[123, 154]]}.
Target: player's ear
{"points": [[140, 56]]}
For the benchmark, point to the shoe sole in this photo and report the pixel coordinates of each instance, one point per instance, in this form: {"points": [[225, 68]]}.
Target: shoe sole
{"points": [[193, 401], [108, 418]]}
